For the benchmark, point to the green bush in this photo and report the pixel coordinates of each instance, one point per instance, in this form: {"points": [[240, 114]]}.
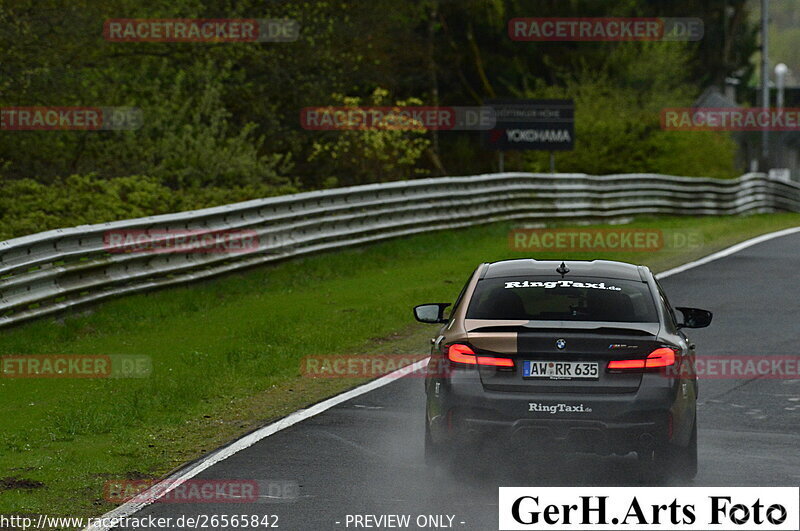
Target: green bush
{"points": [[374, 155], [187, 139], [617, 118]]}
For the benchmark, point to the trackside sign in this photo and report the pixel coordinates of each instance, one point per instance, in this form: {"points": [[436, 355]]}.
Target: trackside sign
{"points": [[545, 125], [653, 508]]}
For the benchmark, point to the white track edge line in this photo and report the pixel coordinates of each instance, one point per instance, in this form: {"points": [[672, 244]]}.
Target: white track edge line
{"points": [[728, 251], [171, 482], [250, 439]]}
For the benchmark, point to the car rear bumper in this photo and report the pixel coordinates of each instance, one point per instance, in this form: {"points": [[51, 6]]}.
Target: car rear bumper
{"points": [[464, 413], [558, 434]]}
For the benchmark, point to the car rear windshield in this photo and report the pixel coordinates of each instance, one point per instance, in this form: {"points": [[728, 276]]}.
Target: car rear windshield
{"points": [[554, 299]]}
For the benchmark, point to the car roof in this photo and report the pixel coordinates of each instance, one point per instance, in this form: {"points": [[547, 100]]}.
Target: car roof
{"points": [[586, 268]]}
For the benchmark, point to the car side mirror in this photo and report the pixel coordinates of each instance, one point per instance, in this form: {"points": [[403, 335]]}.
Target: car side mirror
{"points": [[694, 317], [431, 313]]}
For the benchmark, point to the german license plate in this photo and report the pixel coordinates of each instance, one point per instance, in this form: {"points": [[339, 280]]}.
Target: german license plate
{"points": [[561, 370]]}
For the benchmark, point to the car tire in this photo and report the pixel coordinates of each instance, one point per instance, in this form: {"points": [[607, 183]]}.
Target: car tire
{"points": [[687, 457], [675, 461], [653, 465], [433, 451]]}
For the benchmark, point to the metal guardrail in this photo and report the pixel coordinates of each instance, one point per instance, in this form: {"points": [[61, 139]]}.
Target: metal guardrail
{"points": [[47, 272]]}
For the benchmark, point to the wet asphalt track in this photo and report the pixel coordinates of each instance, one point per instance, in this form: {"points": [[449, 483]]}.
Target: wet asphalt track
{"points": [[365, 456]]}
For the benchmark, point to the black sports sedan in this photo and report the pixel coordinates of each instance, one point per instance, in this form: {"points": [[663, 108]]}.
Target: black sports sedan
{"points": [[584, 356]]}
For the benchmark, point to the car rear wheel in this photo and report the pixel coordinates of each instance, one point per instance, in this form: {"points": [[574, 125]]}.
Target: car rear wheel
{"points": [[670, 460], [652, 465], [442, 460], [687, 457], [433, 451]]}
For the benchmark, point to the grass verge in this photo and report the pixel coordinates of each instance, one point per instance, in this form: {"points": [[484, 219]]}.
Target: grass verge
{"points": [[226, 355]]}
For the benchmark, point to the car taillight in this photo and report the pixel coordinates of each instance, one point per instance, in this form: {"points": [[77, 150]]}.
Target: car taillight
{"points": [[463, 354], [660, 357]]}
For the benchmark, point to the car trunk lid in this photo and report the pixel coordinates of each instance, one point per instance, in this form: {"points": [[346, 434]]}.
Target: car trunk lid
{"points": [[546, 346]]}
